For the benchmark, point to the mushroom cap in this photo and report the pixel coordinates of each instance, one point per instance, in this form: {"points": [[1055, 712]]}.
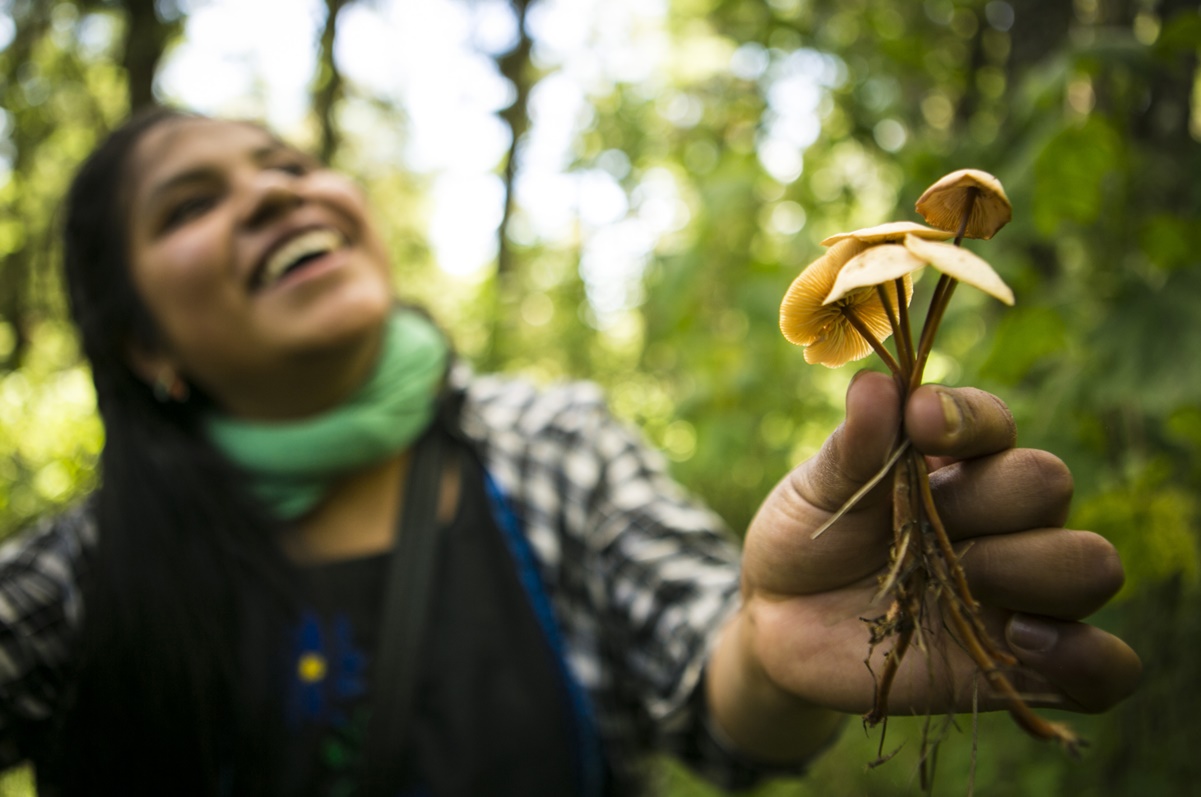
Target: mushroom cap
{"points": [[942, 205], [890, 232], [824, 331], [962, 265], [802, 316], [876, 266], [842, 343]]}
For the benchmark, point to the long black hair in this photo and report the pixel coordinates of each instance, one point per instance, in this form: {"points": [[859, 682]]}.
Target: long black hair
{"points": [[187, 569]]}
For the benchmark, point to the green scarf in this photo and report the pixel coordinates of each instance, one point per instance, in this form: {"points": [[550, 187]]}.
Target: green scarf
{"points": [[293, 463]]}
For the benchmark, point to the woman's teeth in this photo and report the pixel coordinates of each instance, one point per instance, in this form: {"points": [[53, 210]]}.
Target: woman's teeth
{"points": [[302, 247]]}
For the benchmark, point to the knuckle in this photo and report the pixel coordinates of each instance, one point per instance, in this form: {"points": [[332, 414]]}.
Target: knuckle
{"points": [[1049, 475], [1101, 561], [1009, 427], [988, 416]]}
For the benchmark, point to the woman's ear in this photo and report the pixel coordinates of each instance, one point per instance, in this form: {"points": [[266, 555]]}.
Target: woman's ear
{"points": [[158, 370]]}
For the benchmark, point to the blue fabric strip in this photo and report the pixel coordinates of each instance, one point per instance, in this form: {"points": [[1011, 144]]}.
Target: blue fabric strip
{"points": [[589, 758]]}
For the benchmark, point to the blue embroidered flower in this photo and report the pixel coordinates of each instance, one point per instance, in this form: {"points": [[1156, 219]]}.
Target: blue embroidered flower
{"points": [[329, 671]]}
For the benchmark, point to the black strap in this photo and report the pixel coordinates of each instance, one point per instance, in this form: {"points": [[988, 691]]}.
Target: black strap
{"points": [[403, 619]]}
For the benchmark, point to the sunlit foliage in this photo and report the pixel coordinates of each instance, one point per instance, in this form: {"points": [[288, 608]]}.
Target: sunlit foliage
{"points": [[732, 138]]}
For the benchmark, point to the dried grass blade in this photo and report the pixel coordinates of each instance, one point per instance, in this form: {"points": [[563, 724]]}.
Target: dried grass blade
{"points": [[862, 491]]}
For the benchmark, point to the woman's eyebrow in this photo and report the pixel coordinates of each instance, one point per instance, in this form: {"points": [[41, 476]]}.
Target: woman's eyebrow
{"points": [[165, 187], [269, 150], [266, 152], [203, 172]]}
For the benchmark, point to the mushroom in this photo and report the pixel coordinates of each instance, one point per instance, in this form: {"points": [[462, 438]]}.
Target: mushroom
{"points": [[876, 266], [969, 192], [802, 316], [962, 265], [890, 232], [826, 332]]}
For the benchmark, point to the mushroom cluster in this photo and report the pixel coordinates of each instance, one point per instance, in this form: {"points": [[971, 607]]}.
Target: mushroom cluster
{"points": [[844, 306], [837, 308]]}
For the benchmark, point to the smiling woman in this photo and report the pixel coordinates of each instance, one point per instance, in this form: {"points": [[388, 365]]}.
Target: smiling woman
{"points": [[325, 558], [263, 271], [264, 400]]}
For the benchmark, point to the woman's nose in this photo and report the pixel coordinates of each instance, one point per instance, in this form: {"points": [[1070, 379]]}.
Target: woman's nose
{"points": [[272, 194]]}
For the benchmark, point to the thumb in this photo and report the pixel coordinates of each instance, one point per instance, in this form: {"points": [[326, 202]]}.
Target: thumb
{"points": [[858, 448], [780, 554]]}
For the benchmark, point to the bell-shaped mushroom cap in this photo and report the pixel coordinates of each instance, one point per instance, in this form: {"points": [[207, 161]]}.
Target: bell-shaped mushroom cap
{"points": [[841, 343], [890, 232], [877, 266], [802, 316], [962, 265], [828, 337], [943, 204]]}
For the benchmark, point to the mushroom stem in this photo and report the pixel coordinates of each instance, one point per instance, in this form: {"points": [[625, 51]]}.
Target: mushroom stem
{"points": [[938, 306], [904, 355], [903, 320], [940, 299], [867, 335], [969, 205]]}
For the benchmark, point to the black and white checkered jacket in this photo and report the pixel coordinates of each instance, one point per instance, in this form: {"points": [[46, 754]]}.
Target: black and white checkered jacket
{"points": [[641, 577]]}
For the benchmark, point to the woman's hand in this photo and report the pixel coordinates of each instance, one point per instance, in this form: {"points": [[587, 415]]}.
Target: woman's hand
{"points": [[798, 648]]}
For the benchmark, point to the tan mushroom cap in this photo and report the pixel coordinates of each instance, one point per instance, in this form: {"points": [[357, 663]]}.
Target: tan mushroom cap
{"points": [[842, 343], [890, 232], [959, 263], [877, 266], [942, 205], [802, 316], [828, 337]]}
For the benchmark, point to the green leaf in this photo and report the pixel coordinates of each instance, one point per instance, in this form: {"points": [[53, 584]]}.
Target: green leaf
{"points": [[1170, 242], [1024, 336], [1151, 522], [1071, 174]]}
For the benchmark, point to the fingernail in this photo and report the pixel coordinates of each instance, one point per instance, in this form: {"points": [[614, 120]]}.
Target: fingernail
{"points": [[855, 377], [1032, 635], [950, 412]]}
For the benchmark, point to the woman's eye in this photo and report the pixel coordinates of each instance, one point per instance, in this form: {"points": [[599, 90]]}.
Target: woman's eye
{"points": [[294, 168], [186, 210]]}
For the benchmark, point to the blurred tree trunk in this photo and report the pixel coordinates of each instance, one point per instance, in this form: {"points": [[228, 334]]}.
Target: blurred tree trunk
{"points": [[515, 66], [31, 21], [328, 86], [147, 35], [1164, 126], [31, 67], [1039, 29]]}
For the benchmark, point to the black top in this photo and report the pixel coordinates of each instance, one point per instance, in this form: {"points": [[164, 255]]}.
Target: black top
{"points": [[492, 710]]}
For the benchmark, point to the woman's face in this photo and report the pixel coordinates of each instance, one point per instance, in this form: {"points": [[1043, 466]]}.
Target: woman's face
{"points": [[262, 269]]}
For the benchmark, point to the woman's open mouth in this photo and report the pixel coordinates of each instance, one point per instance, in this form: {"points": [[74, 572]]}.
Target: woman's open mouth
{"points": [[295, 254]]}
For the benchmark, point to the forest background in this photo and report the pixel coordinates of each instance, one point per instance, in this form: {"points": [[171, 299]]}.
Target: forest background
{"points": [[645, 183]]}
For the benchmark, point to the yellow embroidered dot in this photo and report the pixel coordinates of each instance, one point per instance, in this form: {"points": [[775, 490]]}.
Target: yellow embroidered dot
{"points": [[311, 667]]}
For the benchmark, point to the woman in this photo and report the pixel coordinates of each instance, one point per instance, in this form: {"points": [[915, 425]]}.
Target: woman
{"points": [[224, 616]]}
